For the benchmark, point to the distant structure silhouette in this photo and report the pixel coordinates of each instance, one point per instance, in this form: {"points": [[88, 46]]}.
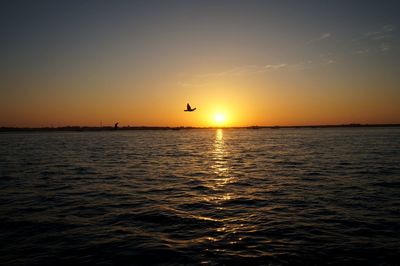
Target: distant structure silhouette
{"points": [[189, 109], [116, 125]]}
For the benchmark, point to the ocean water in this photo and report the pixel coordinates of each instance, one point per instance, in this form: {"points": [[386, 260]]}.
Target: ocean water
{"points": [[214, 197]]}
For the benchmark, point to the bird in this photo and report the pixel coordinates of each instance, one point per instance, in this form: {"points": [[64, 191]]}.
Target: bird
{"points": [[189, 109]]}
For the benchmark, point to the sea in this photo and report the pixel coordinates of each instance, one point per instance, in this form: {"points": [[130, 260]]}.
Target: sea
{"points": [[288, 196]]}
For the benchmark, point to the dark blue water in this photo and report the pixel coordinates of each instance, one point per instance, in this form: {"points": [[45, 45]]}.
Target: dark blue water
{"points": [[255, 197]]}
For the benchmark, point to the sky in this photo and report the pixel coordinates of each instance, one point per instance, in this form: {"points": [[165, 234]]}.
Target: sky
{"points": [[240, 63]]}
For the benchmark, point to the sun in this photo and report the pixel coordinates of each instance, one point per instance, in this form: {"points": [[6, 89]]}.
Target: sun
{"points": [[219, 118]]}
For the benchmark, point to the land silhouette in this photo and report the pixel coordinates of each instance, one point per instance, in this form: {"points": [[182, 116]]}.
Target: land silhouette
{"points": [[111, 128]]}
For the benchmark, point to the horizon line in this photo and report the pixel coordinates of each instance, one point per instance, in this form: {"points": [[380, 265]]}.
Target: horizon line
{"points": [[107, 128]]}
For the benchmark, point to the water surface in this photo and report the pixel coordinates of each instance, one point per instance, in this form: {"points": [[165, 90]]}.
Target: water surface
{"points": [[237, 196]]}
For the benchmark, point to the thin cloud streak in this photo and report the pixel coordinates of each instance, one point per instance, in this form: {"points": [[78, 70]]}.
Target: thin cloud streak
{"points": [[380, 40], [192, 84], [362, 51], [250, 69], [246, 70], [320, 38]]}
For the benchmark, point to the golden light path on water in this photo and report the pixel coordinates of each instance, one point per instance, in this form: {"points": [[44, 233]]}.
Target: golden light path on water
{"points": [[220, 165], [223, 176]]}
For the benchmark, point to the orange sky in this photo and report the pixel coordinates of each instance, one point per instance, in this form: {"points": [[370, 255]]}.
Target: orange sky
{"points": [[253, 64]]}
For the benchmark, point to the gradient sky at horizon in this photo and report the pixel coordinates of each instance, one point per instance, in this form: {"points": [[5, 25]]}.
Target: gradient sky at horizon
{"points": [[256, 62]]}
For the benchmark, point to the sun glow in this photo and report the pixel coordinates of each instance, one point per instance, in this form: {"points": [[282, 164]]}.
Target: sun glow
{"points": [[219, 118]]}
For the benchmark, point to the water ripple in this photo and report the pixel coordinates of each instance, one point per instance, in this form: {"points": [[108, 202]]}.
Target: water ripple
{"points": [[216, 197]]}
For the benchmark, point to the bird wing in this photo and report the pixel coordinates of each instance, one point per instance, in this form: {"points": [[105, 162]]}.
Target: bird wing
{"points": [[188, 107]]}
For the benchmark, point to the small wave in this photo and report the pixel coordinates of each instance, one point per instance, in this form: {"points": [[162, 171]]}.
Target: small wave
{"points": [[262, 197]]}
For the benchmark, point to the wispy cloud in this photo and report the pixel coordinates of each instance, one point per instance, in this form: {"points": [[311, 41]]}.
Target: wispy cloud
{"points": [[328, 62], [383, 33], [388, 28], [363, 51], [240, 71], [385, 47], [380, 40], [249, 70], [326, 59], [322, 37], [203, 80], [197, 84]]}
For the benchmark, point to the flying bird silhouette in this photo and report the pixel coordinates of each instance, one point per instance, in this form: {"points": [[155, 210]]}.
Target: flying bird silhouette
{"points": [[189, 109]]}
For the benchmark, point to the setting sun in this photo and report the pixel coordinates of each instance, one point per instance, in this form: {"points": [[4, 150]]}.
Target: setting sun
{"points": [[219, 118]]}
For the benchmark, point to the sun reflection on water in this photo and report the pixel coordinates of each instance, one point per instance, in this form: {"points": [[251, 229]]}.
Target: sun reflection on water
{"points": [[220, 194], [220, 166]]}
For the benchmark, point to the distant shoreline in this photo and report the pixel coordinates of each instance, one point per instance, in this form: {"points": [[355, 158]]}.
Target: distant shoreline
{"points": [[110, 128]]}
